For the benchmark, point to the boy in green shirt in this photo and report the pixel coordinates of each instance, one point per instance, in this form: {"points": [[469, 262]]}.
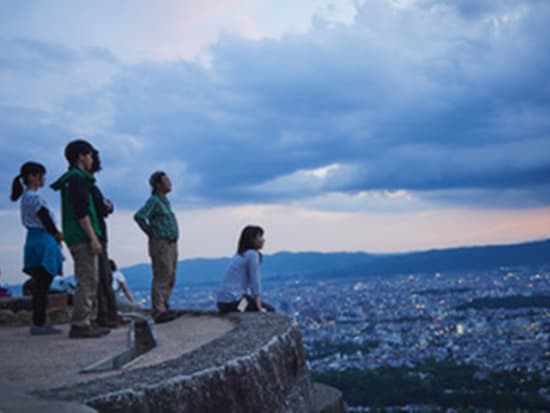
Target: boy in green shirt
{"points": [[82, 233]]}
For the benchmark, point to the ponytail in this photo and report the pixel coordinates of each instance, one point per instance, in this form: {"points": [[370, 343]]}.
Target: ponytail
{"points": [[16, 188], [28, 168]]}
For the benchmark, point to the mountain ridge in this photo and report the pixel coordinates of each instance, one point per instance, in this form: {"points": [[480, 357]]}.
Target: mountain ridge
{"points": [[319, 265]]}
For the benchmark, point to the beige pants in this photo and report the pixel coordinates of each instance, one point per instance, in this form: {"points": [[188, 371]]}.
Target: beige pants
{"points": [[164, 259], [87, 277]]}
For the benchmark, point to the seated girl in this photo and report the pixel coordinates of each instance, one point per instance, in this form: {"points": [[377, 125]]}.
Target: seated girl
{"points": [[241, 285]]}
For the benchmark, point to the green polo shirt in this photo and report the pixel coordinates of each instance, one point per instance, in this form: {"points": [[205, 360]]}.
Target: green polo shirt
{"points": [[157, 220]]}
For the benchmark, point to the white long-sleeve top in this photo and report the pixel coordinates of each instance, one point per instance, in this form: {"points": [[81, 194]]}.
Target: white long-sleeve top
{"points": [[241, 277]]}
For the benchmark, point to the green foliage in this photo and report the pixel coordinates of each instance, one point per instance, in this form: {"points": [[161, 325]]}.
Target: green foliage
{"points": [[445, 384]]}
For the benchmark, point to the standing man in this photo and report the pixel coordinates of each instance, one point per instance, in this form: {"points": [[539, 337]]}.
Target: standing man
{"points": [[107, 315], [159, 223], [82, 234]]}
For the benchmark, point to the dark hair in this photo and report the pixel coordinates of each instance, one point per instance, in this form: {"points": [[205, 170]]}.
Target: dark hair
{"points": [[96, 164], [28, 168], [113, 265], [246, 240], [76, 148], [155, 178]]}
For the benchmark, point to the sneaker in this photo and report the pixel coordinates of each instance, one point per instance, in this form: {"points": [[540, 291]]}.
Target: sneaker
{"points": [[86, 332], [165, 317], [46, 329], [104, 330], [107, 324]]}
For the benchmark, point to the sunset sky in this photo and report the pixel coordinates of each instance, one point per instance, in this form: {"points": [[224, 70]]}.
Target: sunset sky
{"points": [[378, 126]]}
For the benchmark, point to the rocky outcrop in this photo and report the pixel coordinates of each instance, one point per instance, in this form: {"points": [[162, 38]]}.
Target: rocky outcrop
{"points": [[259, 366]]}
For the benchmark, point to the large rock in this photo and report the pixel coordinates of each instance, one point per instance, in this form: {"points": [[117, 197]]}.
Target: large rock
{"points": [[259, 366]]}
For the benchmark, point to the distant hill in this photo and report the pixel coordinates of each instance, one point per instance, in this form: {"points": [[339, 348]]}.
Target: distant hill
{"points": [[285, 264], [449, 260], [316, 265]]}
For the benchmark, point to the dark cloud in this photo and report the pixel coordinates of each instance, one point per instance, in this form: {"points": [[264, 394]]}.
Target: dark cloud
{"points": [[481, 8], [449, 100], [33, 56], [453, 113]]}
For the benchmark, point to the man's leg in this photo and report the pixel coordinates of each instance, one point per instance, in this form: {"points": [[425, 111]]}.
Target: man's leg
{"points": [[102, 299], [86, 275], [106, 301], [172, 260], [160, 285]]}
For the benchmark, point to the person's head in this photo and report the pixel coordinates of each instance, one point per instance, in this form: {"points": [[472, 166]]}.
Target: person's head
{"points": [[160, 183], [96, 162], [32, 174], [79, 153], [252, 238], [112, 263]]}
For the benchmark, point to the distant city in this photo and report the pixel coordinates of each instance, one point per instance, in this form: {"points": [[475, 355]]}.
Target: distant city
{"points": [[497, 320]]}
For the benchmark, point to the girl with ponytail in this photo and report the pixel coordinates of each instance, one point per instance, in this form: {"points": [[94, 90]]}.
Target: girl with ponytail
{"points": [[42, 254]]}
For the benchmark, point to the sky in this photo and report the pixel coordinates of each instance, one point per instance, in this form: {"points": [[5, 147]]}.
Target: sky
{"points": [[373, 125]]}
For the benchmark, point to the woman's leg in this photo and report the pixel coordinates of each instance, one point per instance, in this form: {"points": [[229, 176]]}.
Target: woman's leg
{"points": [[253, 307], [43, 281], [268, 307], [228, 307]]}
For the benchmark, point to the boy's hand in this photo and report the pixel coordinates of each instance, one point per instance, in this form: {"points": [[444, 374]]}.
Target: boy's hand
{"points": [[96, 247]]}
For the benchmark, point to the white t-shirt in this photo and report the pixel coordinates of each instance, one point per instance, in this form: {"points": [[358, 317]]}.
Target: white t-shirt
{"points": [[118, 278], [31, 202]]}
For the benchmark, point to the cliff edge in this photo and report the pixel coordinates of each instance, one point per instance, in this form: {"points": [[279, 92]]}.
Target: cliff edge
{"points": [[256, 366]]}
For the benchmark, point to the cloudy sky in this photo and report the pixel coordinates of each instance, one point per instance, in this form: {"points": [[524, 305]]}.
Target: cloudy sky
{"points": [[382, 125]]}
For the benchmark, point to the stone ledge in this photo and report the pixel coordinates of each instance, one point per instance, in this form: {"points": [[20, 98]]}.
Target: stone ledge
{"points": [[66, 358], [258, 366]]}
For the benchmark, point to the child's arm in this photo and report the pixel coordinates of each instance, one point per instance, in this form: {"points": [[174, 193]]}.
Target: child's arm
{"points": [[45, 218]]}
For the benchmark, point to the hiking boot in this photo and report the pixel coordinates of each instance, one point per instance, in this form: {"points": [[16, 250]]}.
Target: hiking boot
{"points": [[45, 329], [165, 317], [87, 332], [107, 324]]}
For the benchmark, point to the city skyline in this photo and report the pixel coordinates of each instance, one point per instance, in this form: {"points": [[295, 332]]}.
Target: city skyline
{"points": [[378, 126]]}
